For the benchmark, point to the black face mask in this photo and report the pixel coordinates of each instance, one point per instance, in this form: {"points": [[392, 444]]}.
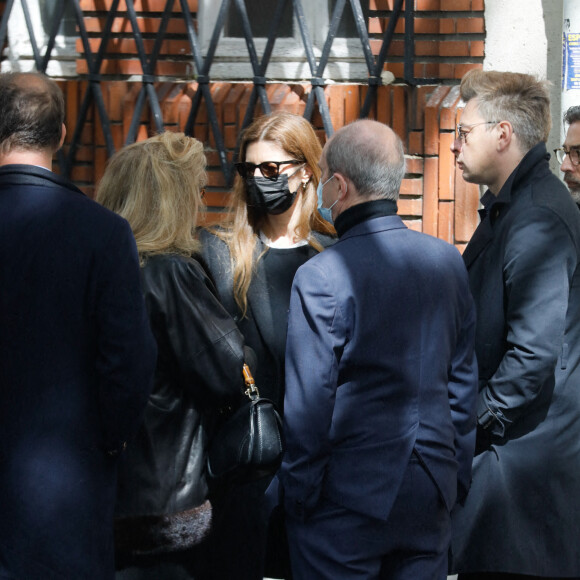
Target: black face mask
{"points": [[270, 196]]}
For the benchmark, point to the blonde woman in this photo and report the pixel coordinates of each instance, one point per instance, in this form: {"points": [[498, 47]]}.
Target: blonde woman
{"points": [[162, 506], [274, 228]]}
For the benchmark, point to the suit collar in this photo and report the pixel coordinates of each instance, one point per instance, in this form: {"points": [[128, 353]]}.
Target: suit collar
{"points": [[361, 212], [374, 225], [34, 175]]}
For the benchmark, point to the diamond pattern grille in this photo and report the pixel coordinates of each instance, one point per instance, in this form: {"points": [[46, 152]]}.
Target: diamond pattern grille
{"points": [[203, 63]]}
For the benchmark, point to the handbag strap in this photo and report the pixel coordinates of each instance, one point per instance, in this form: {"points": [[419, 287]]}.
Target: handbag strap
{"points": [[251, 388]]}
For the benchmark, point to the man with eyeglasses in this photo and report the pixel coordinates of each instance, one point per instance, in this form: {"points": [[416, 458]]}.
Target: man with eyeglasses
{"points": [[521, 517], [569, 154]]}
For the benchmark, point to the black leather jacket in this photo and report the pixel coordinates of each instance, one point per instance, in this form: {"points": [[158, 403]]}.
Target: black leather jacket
{"points": [[199, 369]]}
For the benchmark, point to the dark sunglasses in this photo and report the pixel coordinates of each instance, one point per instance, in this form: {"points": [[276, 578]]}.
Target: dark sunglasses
{"points": [[269, 169]]}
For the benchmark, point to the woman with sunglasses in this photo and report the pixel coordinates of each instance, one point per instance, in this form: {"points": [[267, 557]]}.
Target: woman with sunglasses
{"points": [[273, 228]]}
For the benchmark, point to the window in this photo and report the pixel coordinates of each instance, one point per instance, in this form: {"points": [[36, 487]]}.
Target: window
{"points": [[260, 15], [288, 61], [19, 54]]}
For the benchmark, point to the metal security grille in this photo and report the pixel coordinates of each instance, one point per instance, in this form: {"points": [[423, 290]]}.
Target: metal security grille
{"points": [[203, 63]]}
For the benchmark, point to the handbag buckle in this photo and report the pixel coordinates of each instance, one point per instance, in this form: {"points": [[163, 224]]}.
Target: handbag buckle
{"points": [[251, 389]]}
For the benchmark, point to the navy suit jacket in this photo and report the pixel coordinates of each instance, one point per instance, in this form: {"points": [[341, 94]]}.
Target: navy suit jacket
{"points": [[76, 364], [379, 362]]}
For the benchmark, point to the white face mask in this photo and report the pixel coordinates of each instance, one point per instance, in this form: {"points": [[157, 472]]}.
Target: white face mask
{"points": [[325, 212]]}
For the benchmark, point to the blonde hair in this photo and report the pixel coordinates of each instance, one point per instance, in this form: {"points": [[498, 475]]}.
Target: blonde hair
{"points": [[521, 99], [296, 136], [156, 186]]}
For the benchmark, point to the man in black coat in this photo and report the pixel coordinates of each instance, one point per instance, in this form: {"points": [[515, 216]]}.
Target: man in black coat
{"points": [[76, 352], [569, 154], [522, 515]]}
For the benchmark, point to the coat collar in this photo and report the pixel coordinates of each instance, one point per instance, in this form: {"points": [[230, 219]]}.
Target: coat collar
{"points": [[34, 175], [362, 212], [374, 225], [533, 165]]}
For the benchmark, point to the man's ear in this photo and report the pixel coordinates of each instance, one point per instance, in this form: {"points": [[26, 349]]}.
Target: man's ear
{"points": [[62, 137], [342, 185], [505, 135]]}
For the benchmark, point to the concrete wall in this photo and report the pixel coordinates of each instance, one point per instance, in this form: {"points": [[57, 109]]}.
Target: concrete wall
{"points": [[526, 36]]}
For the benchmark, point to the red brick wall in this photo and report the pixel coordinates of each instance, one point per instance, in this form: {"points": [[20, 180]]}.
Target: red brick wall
{"points": [[449, 41], [434, 198], [449, 37]]}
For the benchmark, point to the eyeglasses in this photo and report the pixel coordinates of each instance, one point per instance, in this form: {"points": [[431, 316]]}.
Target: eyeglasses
{"points": [[461, 133], [269, 169], [573, 153]]}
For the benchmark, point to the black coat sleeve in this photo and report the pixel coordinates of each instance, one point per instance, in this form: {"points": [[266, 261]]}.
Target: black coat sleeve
{"points": [[199, 343], [538, 264], [125, 346]]}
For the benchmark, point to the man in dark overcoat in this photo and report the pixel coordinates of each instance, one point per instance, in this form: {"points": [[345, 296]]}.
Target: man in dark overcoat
{"points": [[522, 515], [381, 380], [76, 353]]}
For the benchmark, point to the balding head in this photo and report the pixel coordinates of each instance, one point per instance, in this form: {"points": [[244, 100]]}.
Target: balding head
{"points": [[370, 155], [31, 113]]}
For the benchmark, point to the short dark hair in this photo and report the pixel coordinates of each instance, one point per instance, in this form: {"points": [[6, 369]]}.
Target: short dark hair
{"points": [[31, 112], [572, 115]]}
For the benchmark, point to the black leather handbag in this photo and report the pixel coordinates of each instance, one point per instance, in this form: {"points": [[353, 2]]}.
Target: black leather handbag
{"points": [[248, 445]]}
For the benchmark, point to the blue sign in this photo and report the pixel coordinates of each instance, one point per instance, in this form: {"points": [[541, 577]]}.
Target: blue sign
{"points": [[572, 61]]}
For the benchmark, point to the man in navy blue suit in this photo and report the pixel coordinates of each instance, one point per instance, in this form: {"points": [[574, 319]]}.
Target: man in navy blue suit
{"points": [[76, 353], [381, 380]]}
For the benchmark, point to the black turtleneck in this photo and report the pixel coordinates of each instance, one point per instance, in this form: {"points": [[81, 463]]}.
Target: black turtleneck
{"points": [[362, 212]]}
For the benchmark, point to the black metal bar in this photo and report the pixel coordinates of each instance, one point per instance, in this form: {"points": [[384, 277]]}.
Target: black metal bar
{"points": [[160, 37], [198, 60], [380, 62], [361, 28], [316, 81], [334, 23], [409, 73], [4, 22], [215, 37], [278, 13], [148, 73], [195, 104], [33, 44], [56, 22], [94, 88], [202, 67], [241, 7], [276, 21], [388, 35], [301, 20], [95, 67], [138, 37], [155, 107], [136, 117]]}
